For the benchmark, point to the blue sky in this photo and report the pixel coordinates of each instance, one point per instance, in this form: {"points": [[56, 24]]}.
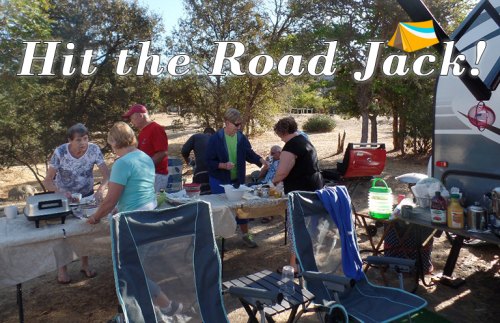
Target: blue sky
{"points": [[170, 10]]}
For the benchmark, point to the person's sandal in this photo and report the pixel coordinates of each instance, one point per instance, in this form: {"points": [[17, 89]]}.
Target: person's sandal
{"points": [[249, 241], [89, 273], [63, 282]]}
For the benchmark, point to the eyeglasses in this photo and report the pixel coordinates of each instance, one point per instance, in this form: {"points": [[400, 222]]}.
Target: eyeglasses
{"points": [[236, 124]]}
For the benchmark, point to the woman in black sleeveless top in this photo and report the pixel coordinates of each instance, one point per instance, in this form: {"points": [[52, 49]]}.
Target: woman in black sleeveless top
{"points": [[298, 168]]}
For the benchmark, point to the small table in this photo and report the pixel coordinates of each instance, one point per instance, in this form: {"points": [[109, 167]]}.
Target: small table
{"points": [[270, 281], [421, 216]]}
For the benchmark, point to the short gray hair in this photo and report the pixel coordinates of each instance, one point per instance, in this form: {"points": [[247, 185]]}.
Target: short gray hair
{"points": [[275, 149], [232, 115], [78, 128]]}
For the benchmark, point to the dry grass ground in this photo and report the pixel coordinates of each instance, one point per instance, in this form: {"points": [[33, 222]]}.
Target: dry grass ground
{"points": [[95, 300]]}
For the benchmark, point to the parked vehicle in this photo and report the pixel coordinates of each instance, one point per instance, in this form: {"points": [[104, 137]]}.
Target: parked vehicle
{"points": [[466, 145]]}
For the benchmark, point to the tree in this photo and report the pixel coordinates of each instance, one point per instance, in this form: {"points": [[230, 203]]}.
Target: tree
{"points": [[248, 22], [39, 110], [355, 22]]}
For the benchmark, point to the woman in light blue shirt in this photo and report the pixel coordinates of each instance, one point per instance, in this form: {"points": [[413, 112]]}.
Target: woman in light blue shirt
{"points": [[131, 184]]}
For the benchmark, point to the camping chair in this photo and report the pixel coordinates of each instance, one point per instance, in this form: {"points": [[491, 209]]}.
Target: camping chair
{"points": [[329, 259], [361, 162], [167, 266]]}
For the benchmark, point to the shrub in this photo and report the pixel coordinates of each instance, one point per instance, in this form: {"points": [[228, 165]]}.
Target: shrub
{"points": [[319, 123]]}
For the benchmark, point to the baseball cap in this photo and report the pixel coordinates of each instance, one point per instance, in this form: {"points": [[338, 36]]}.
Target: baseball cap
{"points": [[136, 108]]}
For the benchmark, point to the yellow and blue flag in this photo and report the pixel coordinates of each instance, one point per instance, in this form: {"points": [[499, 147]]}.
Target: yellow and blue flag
{"points": [[412, 36]]}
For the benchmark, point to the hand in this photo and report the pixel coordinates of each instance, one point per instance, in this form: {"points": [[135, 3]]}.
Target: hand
{"points": [[229, 165], [92, 220], [264, 162]]}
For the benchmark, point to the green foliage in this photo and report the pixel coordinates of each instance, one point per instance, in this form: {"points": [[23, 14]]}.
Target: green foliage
{"points": [[36, 111], [319, 123], [261, 30], [304, 97]]}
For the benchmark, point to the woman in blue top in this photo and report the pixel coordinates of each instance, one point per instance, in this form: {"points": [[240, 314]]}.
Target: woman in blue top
{"points": [[131, 184], [228, 151]]}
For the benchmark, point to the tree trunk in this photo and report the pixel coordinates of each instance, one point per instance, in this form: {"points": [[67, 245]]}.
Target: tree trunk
{"points": [[364, 98], [340, 145], [395, 135], [402, 132], [364, 127], [373, 128]]}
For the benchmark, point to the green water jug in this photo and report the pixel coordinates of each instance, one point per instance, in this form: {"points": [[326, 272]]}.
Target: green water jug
{"points": [[380, 200]]}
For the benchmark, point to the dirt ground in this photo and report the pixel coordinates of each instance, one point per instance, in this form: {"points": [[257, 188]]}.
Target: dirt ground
{"points": [[94, 300]]}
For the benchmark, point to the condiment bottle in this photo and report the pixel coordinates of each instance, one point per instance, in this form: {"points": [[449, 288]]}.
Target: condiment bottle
{"points": [[438, 209], [455, 213]]}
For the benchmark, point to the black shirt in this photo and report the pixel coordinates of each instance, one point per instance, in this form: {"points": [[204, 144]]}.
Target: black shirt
{"points": [[305, 174]]}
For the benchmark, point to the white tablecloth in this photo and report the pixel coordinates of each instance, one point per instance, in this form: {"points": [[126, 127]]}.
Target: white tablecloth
{"points": [[224, 211], [27, 252]]}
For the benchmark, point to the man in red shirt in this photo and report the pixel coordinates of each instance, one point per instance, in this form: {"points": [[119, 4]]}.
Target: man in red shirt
{"points": [[152, 140]]}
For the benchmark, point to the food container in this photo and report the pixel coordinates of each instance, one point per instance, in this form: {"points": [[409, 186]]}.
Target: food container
{"points": [[477, 218], [46, 206], [380, 200], [424, 202], [234, 194], [10, 211], [193, 190]]}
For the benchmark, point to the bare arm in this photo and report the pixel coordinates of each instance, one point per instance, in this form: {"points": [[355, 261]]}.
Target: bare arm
{"points": [[158, 156], [287, 161], [104, 170], [114, 193], [48, 182], [263, 171]]}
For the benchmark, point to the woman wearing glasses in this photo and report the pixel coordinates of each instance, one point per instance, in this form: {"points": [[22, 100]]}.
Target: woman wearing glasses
{"points": [[228, 151]]}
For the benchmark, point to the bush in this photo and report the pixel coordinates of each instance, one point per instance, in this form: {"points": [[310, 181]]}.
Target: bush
{"points": [[319, 123]]}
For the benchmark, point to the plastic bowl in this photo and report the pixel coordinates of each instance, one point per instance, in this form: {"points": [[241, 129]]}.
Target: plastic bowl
{"points": [[234, 194]]}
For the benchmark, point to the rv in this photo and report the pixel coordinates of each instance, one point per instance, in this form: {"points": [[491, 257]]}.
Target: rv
{"points": [[466, 145]]}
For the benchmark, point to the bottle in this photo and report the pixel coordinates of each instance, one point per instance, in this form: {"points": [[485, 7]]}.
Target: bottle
{"points": [[287, 284], [438, 209], [455, 213]]}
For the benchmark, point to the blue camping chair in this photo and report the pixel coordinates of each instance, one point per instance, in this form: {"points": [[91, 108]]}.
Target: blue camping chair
{"points": [[325, 242], [167, 267]]}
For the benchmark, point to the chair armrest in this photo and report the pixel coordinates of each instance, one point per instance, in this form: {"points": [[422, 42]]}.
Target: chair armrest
{"points": [[264, 296], [398, 264], [339, 283]]}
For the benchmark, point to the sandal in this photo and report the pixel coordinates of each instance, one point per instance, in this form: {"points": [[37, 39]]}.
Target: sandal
{"points": [[89, 273], [63, 282], [63, 279]]}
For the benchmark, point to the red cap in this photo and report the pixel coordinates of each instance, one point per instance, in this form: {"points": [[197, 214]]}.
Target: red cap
{"points": [[136, 108]]}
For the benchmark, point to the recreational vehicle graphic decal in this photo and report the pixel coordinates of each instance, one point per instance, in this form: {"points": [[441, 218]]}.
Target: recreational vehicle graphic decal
{"points": [[482, 117]]}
